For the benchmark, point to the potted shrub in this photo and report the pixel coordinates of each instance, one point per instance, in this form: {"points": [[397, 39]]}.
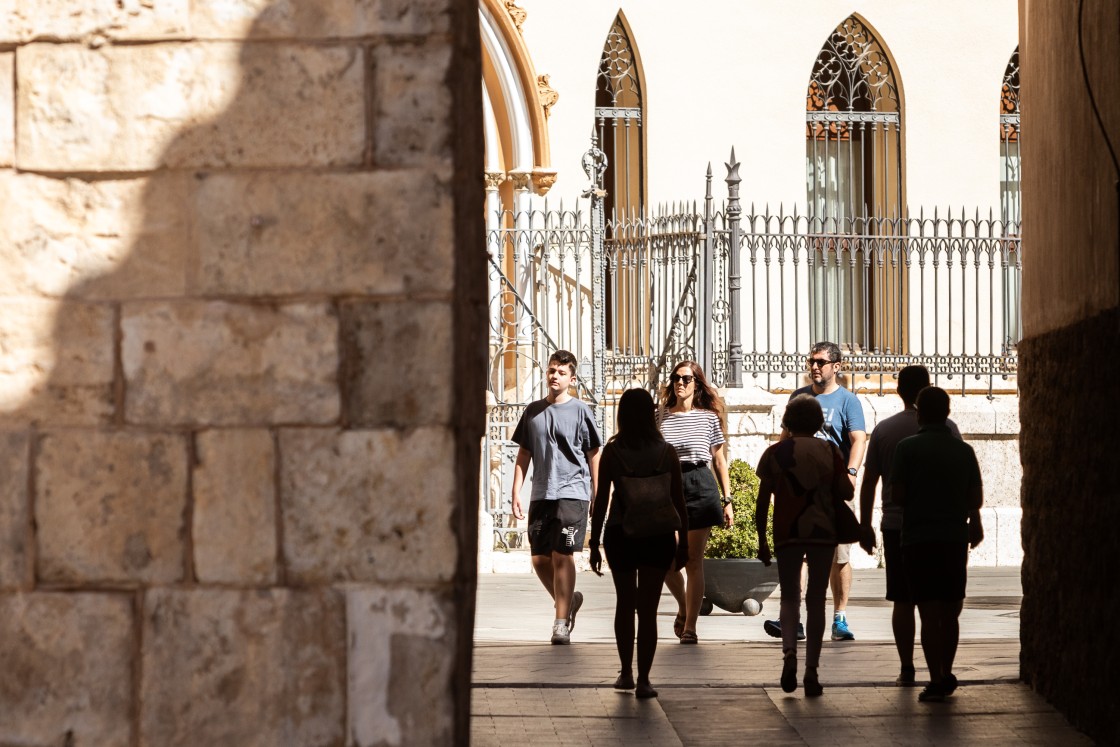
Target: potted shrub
{"points": [[734, 579]]}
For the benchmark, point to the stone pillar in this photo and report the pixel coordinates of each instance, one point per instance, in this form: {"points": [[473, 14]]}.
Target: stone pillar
{"points": [[241, 371]]}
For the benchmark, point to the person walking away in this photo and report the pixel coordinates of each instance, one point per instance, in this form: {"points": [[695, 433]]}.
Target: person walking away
{"points": [[638, 563], [807, 478], [843, 426], [558, 436], [936, 479], [880, 456], [692, 421]]}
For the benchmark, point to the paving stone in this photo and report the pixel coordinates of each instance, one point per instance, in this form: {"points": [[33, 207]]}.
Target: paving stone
{"points": [[317, 233], [109, 507], [388, 378], [67, 677], [251, 668], [400, 630], [219, 363], [15, 519], [325, 19], [152, 113], [104, 239], [367, 505], [90, 20], [57, 367], [411, 127], [235, 507]]}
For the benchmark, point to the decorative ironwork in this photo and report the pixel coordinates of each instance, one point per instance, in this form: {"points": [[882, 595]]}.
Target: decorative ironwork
{"points": [[618, 73], [853, 73], [1009, 101], [619, 122]]}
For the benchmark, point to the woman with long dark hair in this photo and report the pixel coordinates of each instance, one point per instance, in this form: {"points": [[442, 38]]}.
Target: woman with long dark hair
{"points": [[692, 421], [638, 565]]}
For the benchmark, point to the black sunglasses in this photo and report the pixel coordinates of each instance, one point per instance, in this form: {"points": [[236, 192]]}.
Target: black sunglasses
{"points": [[819, 362], [686, 379]]}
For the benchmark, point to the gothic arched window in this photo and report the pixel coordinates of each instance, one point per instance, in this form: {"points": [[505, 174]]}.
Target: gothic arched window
{"points": [[853, 158], [619, 118], [1009, 131]]}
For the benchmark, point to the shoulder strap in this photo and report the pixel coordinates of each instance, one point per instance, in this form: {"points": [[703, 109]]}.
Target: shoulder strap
{"points": [[618, 456]]}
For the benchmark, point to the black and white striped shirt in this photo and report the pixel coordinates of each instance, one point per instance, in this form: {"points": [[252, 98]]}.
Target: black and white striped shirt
{"points": [[693, 434]]}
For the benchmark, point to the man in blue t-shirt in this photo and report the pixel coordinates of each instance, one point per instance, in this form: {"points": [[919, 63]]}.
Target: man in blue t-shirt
{"points": [[844, 426]]}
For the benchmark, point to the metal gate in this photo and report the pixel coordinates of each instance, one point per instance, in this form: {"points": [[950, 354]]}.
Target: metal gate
{"points": [[630, 295]]}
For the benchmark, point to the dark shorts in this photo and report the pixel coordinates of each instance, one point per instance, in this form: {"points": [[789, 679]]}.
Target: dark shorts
{"points": [[936, 571], [626, 554], [898, 588], [557, 526], [701, 498]]}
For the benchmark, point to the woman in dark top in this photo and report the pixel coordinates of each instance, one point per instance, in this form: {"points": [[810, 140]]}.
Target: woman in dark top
{"points": [[638, 566]]}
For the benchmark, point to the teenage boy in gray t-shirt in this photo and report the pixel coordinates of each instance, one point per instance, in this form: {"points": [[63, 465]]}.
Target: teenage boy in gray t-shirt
{"points": [[559, 436]]}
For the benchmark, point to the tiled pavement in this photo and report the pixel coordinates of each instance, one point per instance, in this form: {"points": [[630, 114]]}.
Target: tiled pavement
{"points": [[724, 691]]}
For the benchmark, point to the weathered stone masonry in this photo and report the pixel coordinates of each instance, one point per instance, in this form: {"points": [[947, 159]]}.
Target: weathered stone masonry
{"points": [[240, 371]]}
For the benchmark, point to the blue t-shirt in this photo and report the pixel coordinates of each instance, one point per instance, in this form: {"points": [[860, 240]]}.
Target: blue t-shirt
{"points": [[842, 415]]}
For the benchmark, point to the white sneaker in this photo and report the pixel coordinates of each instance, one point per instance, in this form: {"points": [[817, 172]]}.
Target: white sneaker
{"points": [[560, 635], [577, 602]]}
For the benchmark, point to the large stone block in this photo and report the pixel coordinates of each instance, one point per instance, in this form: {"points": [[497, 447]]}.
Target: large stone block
{"points": [[234, 507], [25, 20], [324, 19], [109, 507], [152, 112], [15, 519], [411, 126], [222, 363], [7, 108], [68, 669], [247, 668], [105, 239], [353, 233], [1000, 470], [400, 630], [389, 376], [368, 505], [57, 363]]}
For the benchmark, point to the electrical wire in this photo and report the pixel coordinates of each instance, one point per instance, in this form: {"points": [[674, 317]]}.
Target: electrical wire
{"points": [[1101, 127]]}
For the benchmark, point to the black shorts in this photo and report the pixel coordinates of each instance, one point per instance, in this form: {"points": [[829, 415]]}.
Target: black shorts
{"points": [[701, 498], [627, 554], [557, 526], [898, 588], [936, 571]]}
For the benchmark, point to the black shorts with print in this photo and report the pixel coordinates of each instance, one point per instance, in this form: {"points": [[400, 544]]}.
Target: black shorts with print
{"points": [[557, 526]]}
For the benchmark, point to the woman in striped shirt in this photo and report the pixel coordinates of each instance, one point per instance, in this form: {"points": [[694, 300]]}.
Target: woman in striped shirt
{"points": [[692, 422]]}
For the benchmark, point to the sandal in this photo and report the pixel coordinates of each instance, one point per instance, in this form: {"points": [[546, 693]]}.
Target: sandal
{"points": [[678, 625], [689, 637]]}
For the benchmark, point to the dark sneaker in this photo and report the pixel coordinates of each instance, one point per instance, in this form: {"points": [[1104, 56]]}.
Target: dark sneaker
{"points": [[933, 693], [840, 631], [789, 672], [773, 629], [905, 677], [950, 684], [577, 602], [813, 687]]}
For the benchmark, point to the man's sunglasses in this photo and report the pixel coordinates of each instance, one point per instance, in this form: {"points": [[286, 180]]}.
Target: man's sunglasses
{"points": [[686, 379], [819, 362]]}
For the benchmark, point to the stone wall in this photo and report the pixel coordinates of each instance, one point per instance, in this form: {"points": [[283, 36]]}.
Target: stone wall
{"points": [[241, 366], [1070, 353]]}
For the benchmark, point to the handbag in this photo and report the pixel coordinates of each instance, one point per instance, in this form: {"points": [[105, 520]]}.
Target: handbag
{"points": [[649, 504], [848, 530]]}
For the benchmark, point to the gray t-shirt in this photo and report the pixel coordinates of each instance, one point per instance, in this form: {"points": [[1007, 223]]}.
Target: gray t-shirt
{"points": [[559, 437], [880, 457]]}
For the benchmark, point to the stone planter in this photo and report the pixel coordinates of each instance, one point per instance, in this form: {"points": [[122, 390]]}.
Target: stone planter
{"points": [[737, 584]]}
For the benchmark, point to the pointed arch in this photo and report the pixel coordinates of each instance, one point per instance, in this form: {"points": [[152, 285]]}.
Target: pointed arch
{"points": [[620, 119], [515, 118], [1009, 137], [855, 187]]}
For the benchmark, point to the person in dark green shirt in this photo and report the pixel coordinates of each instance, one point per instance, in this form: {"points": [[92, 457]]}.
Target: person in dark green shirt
{"points": [[936, 479]]}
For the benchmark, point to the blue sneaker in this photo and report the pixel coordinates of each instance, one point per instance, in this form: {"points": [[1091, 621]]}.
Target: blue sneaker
{"points": [[840, 630], [773, 629]]}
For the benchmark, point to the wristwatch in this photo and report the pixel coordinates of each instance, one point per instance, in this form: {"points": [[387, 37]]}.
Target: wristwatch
{"points": [[852, 471]]}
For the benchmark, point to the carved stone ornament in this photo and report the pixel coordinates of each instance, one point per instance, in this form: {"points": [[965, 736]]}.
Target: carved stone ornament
{"points": [[494, 179], [546, 94], [517, 15], [521, 179], [543, 181]]}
